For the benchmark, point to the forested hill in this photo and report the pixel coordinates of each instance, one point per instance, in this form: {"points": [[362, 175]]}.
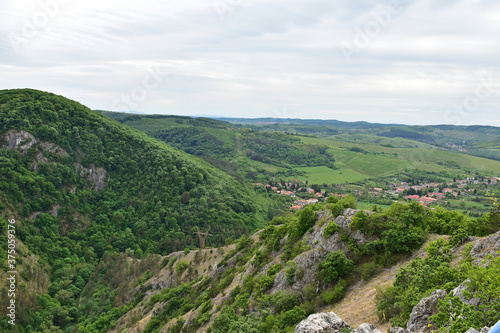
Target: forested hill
{"points": [[151, 195]]}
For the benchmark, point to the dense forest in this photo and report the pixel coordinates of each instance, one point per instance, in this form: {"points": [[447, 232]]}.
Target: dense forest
{"points": [[81, 185]]}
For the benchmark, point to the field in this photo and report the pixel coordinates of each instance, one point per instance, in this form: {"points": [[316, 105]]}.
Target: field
{"points": [[357, 161]]}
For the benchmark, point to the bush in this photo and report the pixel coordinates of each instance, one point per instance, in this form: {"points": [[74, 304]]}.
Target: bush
{"points": [[335, 266], [346, 202], [274, 269], [359, 221], [337, 293], [331, 229], [266, 282], [290, 272], [367, 270], [333, 199], [181, 266]]}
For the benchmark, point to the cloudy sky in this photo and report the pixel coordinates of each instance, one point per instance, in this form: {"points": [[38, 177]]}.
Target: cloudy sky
{"points": [[406, 61]]}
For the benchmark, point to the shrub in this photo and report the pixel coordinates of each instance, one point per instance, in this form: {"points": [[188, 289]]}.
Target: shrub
{"points": [[335, 266], [359, 221], [367, 270], [266, 282], [181, 266], [332, 199], [290, 272], [337, 293], [274, 269], [331, 229]]}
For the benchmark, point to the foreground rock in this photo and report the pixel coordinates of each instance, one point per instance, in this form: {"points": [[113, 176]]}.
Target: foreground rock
{"points": [[419, 317], [367, 328], [321, 322], [330, 322]]}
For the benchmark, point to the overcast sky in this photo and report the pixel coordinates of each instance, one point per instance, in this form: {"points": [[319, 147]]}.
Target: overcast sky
{"points": [[408, 61]]}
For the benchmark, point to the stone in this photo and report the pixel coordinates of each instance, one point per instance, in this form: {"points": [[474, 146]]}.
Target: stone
{"points": [[398, 330], [367, 328], [459, 292], [419, 317], [328, 322], [486, 246], [472, 330]]}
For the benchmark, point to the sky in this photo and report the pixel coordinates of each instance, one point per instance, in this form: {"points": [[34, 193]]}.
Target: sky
{"points": [[397, 61]]}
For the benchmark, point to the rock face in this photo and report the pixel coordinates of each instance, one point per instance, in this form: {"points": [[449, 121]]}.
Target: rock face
{"points": [[484, 247], [321, 323], [97, 176], [398, 330], [472, 330], [367, 328], [19, 140], [419, 317], [459, 291]]}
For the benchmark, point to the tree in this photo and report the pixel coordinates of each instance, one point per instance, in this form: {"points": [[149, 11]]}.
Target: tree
{"points": [[335, 266]]}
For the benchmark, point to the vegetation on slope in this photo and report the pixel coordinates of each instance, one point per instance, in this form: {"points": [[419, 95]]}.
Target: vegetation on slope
{"points": [[84, 185], [270, 282], [241, 152]]}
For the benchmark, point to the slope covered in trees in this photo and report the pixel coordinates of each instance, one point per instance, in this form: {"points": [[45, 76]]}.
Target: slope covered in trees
{"points": [[80, 184]]}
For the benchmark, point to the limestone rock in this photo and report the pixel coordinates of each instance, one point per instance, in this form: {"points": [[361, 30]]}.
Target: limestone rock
{"points": [[472, 330], [321, 323], [423, 310], [486, 246], [97, 176], [19, 140], [367, 328], [459, 291], [398, 330]]}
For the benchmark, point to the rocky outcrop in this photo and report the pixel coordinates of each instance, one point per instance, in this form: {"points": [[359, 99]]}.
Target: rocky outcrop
{"points": [[97, 176], [22, 141], [19, 140], [367, 328], [398, 330], [321, 323], [330, 322], [473, 330], [419, 317], [486, 246], [459, 292]]}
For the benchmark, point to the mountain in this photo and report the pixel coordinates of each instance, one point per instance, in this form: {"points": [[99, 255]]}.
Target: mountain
{"points": [[81, 185]]}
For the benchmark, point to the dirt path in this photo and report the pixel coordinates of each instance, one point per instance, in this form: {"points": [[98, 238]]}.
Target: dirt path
{"points": [[358, 306]]}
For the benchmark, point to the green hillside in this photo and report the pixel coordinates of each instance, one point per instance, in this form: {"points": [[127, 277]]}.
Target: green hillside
{"points": [[322, 151], [81, 185], [479, 141], [241, 152], [357, 161]]}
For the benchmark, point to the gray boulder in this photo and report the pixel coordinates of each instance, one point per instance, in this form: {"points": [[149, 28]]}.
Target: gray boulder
{"points": [[367, 328], [459, 291], [419, 317], [398, 330], [486, 246], [328, 322], [472, 330]]}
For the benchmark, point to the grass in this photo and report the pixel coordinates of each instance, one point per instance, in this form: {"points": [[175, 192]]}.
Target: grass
{"points": [[380, 161], [323, 174]]}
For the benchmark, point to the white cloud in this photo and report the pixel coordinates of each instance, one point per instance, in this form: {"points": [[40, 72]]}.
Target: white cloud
{"points": [[262, 56]]}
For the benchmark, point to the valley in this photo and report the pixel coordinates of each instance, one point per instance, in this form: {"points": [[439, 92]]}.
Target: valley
{"points": [[297, 217]]}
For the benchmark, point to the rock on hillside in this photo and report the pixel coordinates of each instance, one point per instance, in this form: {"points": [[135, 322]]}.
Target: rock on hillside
{"points": [[419, 317], [330, 322]]}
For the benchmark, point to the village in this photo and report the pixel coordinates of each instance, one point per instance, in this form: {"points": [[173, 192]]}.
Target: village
{"points": [[426, 194]]}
